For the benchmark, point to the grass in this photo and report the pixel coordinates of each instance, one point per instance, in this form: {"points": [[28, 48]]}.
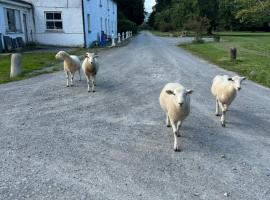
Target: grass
{"points": [[31, 62], [253, 54]]}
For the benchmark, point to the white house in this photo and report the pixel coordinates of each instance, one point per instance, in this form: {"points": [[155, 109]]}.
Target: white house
{"points": [[16, 21], [65, 22]]}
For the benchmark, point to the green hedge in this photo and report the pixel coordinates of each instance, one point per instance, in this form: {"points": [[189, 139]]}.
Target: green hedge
{"points": [[127, 25]]}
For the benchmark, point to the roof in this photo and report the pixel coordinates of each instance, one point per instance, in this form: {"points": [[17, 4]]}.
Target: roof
{"points": [[17, 2]]}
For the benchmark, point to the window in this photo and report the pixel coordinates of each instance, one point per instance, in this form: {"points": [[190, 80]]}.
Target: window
{"points": [[54, 21], [13, 20], [101, 24], [89, 22], [108, 8], [100, 3]]}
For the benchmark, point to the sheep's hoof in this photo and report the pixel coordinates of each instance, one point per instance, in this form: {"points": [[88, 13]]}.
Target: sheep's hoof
{"points": [[89, 91], [179, 135], [176, 149], [94, 91], [217, 114], [72, 86], [168, 125], [223, 125], [67, 85]]}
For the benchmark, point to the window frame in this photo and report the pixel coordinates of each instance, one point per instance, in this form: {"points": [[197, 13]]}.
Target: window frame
{"points": [[54, 21], [15, 13]]}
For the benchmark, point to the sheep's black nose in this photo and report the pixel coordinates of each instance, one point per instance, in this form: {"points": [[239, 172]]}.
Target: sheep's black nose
{"points": [[239, 89], [181, 104]]}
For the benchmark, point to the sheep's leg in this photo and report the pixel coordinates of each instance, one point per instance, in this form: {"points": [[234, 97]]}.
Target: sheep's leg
{"points": [[217, 108], [174, 127], [93, 84], [80, 75], [95, 81], [88, 84], [223, 111], [72, 79], [179, 123], [67, 78], [168, 124]]}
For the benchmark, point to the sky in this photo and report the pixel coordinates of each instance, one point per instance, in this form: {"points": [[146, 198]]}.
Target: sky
{"points": [[148, 5]]}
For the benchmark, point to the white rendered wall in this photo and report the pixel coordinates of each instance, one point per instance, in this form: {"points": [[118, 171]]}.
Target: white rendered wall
{"points": [[72, 33], [29, 21]]}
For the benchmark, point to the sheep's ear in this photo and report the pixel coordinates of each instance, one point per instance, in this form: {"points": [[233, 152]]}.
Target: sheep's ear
{"points": [[170, 92], [230, 79], [189, 91], [86, 55], [243, 78]]}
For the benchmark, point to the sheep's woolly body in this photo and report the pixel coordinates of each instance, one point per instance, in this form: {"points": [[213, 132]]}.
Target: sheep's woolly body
{"points": [[170, 106], [72, 64], [223, 89], [90, 68], [175, 101]]}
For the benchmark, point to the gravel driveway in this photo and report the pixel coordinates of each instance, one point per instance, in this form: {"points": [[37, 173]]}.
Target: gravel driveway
{"points": [[64, 143]]}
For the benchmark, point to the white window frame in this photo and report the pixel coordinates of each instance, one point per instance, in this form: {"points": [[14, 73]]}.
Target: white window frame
{"points": [[53, 20], [17, 21]]}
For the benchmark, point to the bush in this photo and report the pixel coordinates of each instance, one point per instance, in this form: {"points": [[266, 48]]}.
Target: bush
{"points": [[127, 25]]}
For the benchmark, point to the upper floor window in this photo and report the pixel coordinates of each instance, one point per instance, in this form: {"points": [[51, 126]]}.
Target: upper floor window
{"points": [[89, 22], [108, 6], [54, 21], [13, 20], [100, 3]]}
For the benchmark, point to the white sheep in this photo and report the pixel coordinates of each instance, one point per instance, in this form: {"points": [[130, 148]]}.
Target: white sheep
{"points": [[90, 68], [175, 101], [71, 65], [224, 89]]}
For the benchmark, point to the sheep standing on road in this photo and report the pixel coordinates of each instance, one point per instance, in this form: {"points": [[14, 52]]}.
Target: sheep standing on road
{"points": [[224, 89], [175, 101], [90, 68], [71, 65]]}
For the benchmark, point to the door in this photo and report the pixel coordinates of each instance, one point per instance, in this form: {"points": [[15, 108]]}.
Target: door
{"points": [[25, 28]]}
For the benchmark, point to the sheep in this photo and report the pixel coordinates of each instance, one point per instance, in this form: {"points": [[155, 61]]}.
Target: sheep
{"points": [[175, 101], [224, 89], [90, 68], [71, 65]]}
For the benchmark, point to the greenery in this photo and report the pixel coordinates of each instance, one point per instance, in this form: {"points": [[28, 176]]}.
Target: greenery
{"points": [[222, 14], [126, 25], [31, 62], [253, 60]]}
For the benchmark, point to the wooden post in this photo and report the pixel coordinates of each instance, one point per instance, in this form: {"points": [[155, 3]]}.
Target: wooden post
{"points": [[233, 54], [16, 65]]}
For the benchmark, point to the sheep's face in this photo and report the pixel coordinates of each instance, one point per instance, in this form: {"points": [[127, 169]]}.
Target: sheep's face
{"points": [[237, 80], [180, 96], [91, 57], [60, 55]]}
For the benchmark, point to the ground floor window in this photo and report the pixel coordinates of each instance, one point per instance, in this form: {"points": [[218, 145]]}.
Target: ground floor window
{"points": [[13, 20], [54, 20], [89, 22]]}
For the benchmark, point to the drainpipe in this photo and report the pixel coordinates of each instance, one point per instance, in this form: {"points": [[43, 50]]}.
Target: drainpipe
{"points": [[84, 33]]}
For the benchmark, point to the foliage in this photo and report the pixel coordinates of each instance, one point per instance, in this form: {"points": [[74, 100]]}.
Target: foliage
{"points": [[199, 25], [221, 14], [126, 25], [132, 10]]}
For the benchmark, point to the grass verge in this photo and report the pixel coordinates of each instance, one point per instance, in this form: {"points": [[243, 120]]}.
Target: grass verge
{"points": [[253, 54]]}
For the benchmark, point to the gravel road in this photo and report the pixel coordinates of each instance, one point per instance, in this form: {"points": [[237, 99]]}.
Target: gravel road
{"points": [[64, 143]]}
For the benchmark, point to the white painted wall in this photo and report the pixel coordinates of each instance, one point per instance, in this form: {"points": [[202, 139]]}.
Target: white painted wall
{"points": [[72, 33], [24, 9]]}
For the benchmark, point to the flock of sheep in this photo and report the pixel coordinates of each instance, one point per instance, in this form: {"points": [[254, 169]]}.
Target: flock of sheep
{"points": [[174, 98]]}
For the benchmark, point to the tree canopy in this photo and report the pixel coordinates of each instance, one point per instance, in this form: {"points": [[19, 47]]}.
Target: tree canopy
{"points": [[222, 14]]}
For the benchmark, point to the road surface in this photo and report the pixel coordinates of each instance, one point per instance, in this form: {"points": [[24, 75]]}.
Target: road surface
{"points": [[64, 143]]}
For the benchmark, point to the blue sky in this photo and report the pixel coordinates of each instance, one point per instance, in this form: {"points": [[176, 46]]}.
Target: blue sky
{"points": [[148, 5]]}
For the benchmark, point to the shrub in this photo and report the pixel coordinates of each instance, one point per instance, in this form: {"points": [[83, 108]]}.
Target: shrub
{"points": [[127, 25]]}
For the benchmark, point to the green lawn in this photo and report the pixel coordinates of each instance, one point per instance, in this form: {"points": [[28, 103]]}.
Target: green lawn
{"points": [[253, 54], [30, 62]]}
